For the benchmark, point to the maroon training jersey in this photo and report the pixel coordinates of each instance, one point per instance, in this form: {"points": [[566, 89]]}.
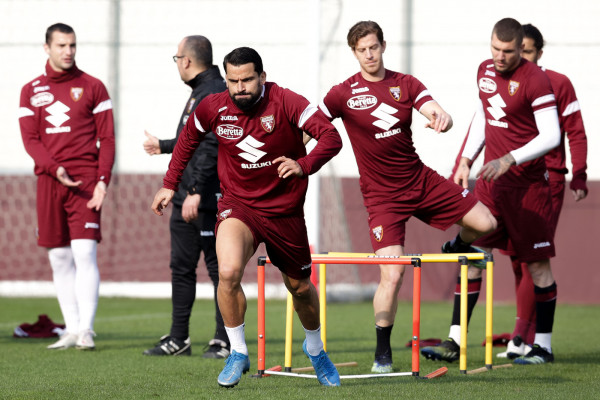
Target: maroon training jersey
{"points": [[571, 125], [377, 117], [509, 103], [249, 141], [63, 116]]}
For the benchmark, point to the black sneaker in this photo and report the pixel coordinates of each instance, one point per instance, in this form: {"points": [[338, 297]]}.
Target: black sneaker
{"points": [[448, 350], [216, 348], [537, 355], [481, 264], [169, 346]]}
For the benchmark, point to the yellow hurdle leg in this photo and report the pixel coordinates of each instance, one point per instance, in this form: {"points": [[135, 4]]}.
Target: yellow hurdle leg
{"points": [[464, 282], [489, 312], [289, 325], [323, 303]]}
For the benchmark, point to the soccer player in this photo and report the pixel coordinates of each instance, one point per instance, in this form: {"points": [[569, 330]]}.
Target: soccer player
{"points": [[263, 169], [375, 106], [192, 222], [516, 118], [571, 126], [67, 127]]}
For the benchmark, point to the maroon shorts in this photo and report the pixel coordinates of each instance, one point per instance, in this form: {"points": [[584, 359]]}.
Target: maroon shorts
{"points": [[62, 212], [525, 219], [435, 200], [285, 238], [557, 190]]}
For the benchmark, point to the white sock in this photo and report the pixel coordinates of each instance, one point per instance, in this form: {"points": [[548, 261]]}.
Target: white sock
{"points": [[237, 339], [455, 333], [544, 340], [87, 281], [63, 274], [314, 344]]}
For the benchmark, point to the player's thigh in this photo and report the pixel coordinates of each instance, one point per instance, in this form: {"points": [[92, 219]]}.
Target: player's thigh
{"points": [[286, 241], [52, 225], [235, 246], [391, 272], [84, 223]]}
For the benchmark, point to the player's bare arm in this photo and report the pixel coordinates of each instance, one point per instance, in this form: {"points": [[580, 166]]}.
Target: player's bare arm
{"points": [[161, 200], [461, 176], [439, 120], [64, 178], [496, 168], [98, 196], [189, 209], [288, 167], [151, 145]]}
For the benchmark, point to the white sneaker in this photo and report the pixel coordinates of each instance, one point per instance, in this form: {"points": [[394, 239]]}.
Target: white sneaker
{"points": [[85, 340], [67, 340], [515, 348]]}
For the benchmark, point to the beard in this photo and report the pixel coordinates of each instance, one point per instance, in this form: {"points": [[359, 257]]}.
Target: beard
{"points": [[245, 104]]}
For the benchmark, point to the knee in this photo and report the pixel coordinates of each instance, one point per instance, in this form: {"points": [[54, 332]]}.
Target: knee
{"points": [[392, 275], [230, 275], [300, 289]]}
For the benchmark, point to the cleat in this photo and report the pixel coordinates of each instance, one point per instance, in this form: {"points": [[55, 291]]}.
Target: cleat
{"points": [[537, 355], [85, 340], [67, 340], [382, 367], [481, 264], [216, 348], [235, 365], [326, 372], [169, 346], [515, 348], [448, 350]]}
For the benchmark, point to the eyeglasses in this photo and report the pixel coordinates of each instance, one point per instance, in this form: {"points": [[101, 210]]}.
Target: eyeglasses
{"points": [[176, 57]]}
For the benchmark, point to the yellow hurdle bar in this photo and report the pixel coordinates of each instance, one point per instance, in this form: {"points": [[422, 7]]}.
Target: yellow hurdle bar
{"points": [[445, 257]]}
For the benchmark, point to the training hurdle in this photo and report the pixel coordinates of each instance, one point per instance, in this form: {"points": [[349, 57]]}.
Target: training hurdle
{"points": [[414, 260], [463, 259]]}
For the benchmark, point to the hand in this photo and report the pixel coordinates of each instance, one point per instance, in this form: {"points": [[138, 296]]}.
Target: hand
{"points": [[441, 122], [579, 194], [288, 167], [461, 176], [98, 196], [496, 168], [65, 179], [161, 200], [189, 209], [151, 145]]}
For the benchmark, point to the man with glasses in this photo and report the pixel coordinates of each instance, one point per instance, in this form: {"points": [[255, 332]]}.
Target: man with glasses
{"points": [[193, 219]]}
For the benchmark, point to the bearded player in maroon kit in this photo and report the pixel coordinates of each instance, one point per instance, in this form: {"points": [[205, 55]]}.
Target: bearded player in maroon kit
{"points": [[517, 121], [67, 127], [263, 169], [375, 106]]}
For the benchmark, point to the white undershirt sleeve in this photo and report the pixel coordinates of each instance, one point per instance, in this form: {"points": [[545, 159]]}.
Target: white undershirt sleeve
{"points": [[548, 138], [476, 136]]}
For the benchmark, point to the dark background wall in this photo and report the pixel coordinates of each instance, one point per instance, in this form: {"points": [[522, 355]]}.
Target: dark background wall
{"points": [[136, 243]]}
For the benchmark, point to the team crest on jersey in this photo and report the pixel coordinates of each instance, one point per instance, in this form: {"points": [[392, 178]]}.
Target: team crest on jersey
{"points": [[396, 93], [268, 123], [378, 233], [76, 93], [190, 106], [513, 86], [224, 214]]}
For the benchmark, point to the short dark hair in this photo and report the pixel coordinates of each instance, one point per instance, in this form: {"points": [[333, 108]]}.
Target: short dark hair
{"points": [[508, 29], [63, 28], [534, 33], [199, 49], [362, 29], [241, 56]]}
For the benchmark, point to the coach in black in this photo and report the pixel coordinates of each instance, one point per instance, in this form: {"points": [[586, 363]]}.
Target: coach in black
{"points": [[194, 206]]}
